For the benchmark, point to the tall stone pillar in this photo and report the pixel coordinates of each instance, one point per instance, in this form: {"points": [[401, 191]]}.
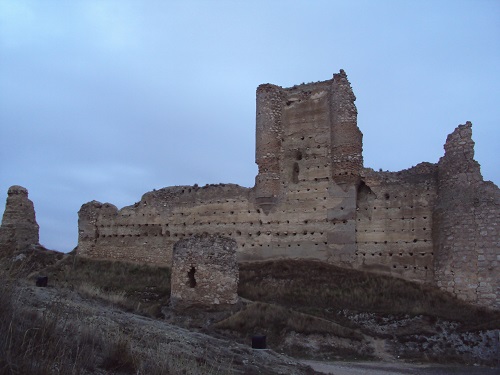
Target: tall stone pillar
{"points": [[269, 135], [346, 138], [347, 163], [19, 228], [87, 228]]}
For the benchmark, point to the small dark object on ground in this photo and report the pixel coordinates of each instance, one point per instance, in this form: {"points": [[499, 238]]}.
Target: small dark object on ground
{"points": [[42, 281], [258, 342]]}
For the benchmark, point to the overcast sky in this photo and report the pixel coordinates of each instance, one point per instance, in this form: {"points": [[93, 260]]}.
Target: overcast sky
{"points": [[107, 100]]}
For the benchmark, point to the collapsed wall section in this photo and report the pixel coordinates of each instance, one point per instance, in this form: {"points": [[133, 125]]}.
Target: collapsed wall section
{"points": [[466, 225]]}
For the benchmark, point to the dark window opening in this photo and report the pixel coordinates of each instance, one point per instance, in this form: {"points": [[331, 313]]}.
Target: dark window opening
{"points": [[191, 278]]}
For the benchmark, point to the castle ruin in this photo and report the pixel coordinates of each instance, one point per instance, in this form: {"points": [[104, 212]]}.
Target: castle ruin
{"points": [[313, 198], [204, 271], [19, 229]]}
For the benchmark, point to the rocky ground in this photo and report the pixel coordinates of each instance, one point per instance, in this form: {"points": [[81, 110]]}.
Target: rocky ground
{"points": [[397, 368], [156, 338], [94, 322], [199, 352]]}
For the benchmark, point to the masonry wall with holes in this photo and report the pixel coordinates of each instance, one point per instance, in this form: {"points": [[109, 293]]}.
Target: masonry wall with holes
{"points": [[147, 231], [394, 222], [285, 215], [314, 199]]}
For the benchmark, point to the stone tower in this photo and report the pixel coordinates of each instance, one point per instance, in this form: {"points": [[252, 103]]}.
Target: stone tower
{"points": [[204, 271], [307, 136], [19, 228], [289, 121]]}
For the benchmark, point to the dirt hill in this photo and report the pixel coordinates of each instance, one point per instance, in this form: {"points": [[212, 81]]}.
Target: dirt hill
{"points": [[113, 317]]}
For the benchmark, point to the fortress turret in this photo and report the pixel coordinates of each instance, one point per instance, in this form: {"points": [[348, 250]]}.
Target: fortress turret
{"points": [[346, 138], [268, 153]]}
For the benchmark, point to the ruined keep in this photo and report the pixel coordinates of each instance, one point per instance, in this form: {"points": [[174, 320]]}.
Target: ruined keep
{"points": [[19, 229], [204, 271], [313, 198]]}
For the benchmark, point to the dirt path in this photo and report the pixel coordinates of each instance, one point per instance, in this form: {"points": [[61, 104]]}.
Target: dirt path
{"points": [[397, 368]]}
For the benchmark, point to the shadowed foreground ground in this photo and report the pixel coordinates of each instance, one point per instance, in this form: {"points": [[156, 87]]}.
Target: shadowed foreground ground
{"points": [[101, 317], [384, 368]]}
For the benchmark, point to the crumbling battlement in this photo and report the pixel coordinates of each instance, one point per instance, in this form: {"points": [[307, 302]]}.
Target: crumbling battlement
{"points": [[467, 226], [159, 220], [435, 223]]}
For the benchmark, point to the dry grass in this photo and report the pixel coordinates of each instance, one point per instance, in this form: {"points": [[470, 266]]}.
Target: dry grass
{"points": [[139, 288], [160, 361], [276, 321], [321, 289], [30, 260], [310, 287], [45, 343], [90, 290], [33, 343], [51, 343], [290, 296]]}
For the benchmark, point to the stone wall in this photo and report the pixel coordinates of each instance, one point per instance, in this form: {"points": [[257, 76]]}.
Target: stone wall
{"points": [[309, 191], [313, 199], [466, 229], [19, 229], [394, 222], [147, 231], [204, 272]]}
